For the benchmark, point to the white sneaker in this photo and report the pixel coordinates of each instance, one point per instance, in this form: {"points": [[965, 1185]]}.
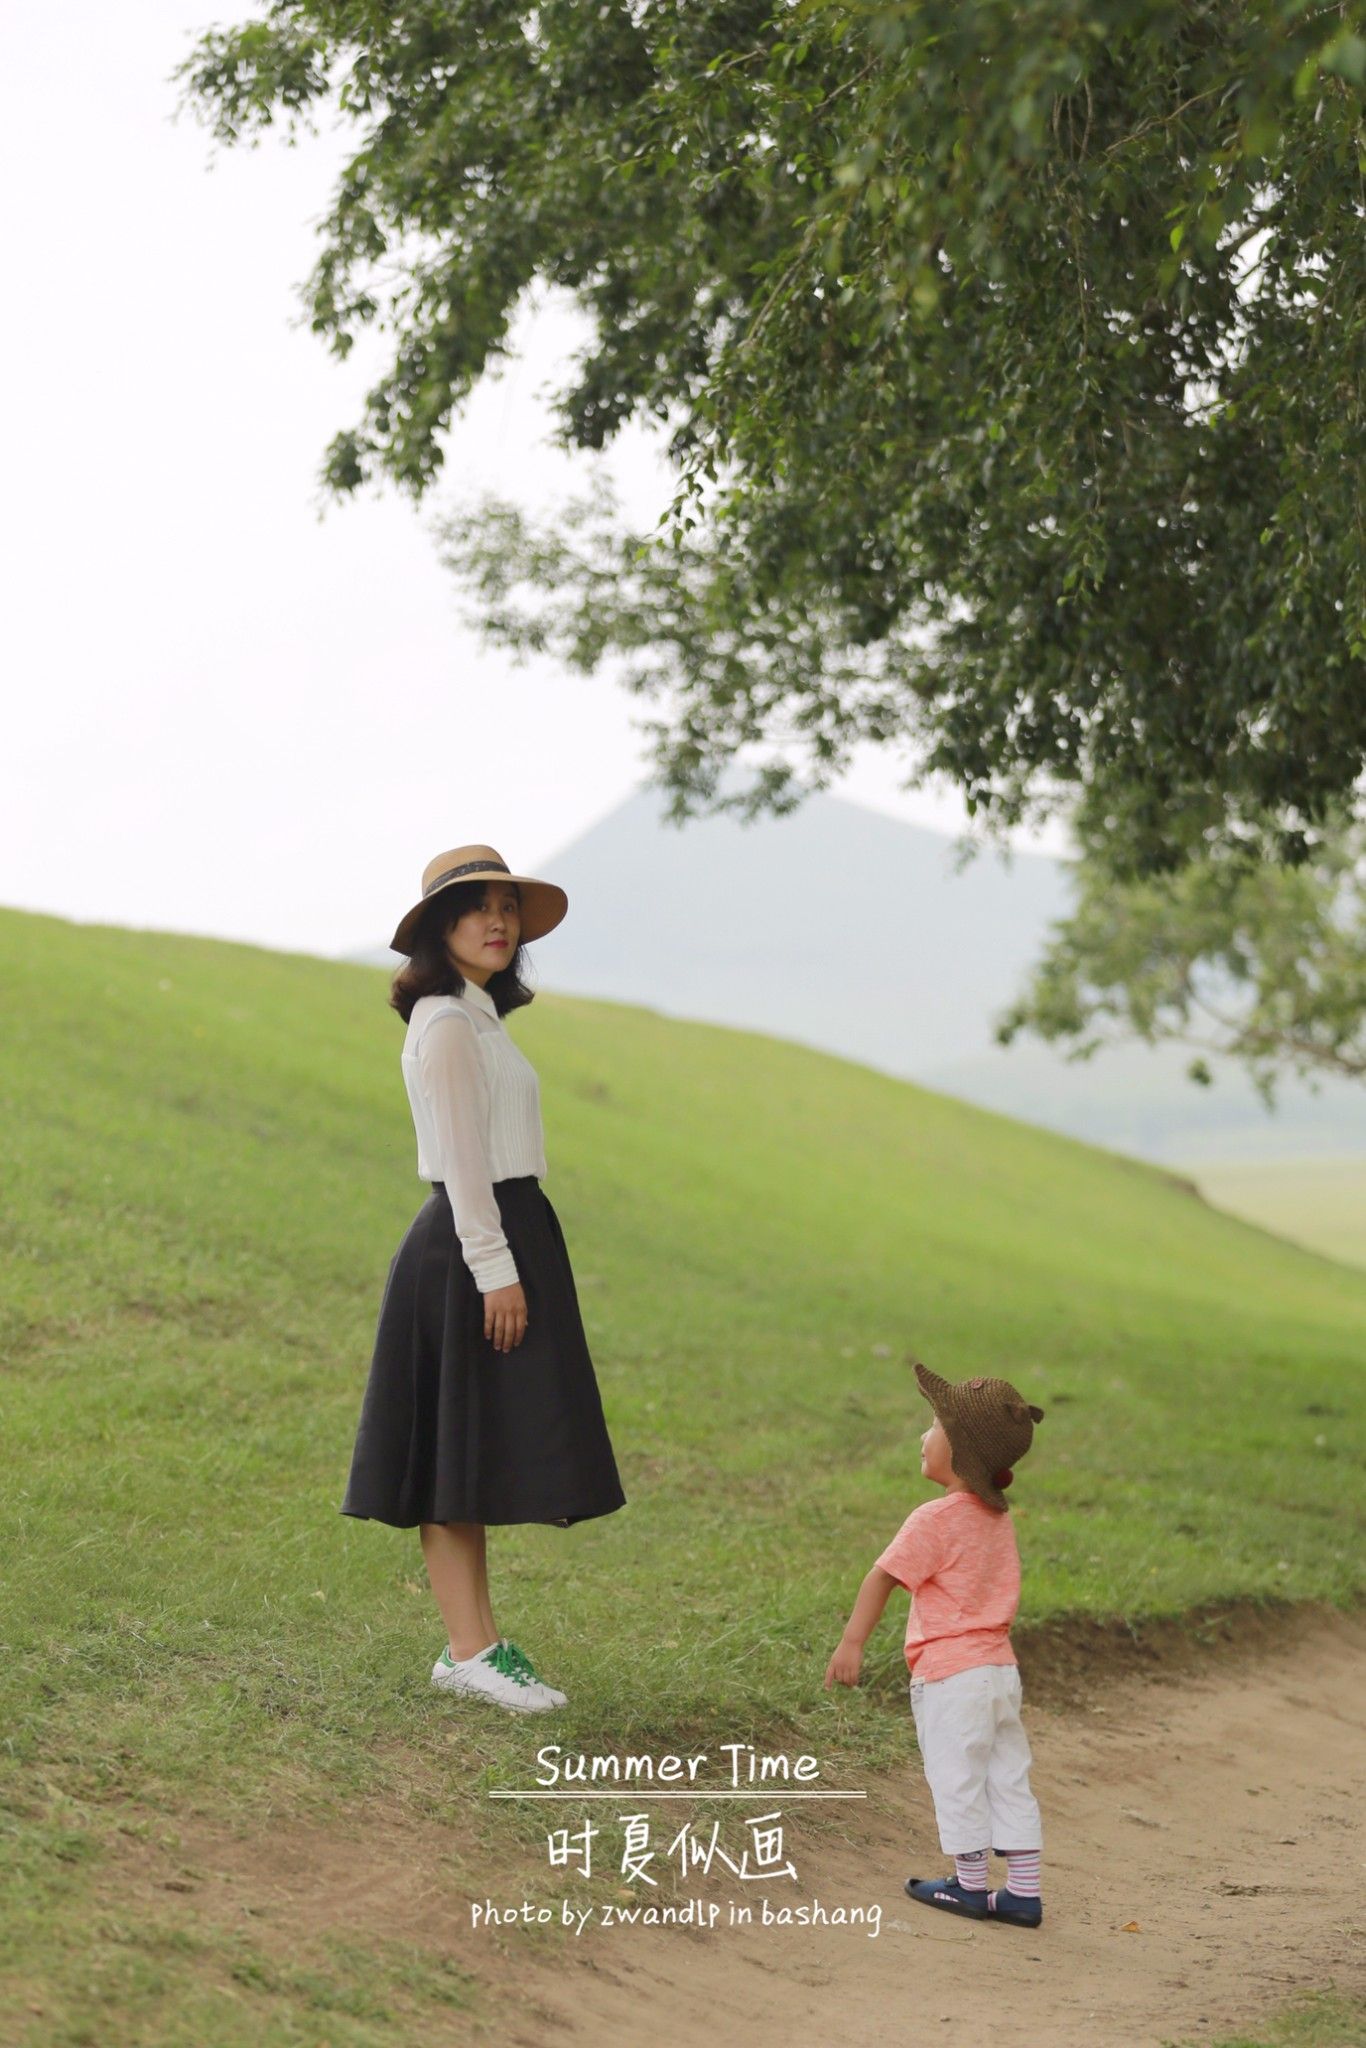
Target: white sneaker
{"points": [[494, 1675], [524, 1663]]}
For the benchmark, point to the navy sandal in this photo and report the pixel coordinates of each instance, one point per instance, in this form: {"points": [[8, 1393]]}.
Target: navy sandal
{"points": [[1015, 1911], [948, 1895]]}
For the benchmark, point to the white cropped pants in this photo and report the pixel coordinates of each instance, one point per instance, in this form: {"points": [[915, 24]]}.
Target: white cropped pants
{"points": [[977, 1759]]}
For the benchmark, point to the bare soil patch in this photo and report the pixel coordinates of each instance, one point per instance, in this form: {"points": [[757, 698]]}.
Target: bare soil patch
{"points": [[1203, 1861]]}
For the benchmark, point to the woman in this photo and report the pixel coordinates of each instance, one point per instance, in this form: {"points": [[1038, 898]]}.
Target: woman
{"points": [[482, 1404]]}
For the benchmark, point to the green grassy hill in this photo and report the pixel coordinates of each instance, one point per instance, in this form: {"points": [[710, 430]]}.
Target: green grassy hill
{"points": [[207, 1165]]}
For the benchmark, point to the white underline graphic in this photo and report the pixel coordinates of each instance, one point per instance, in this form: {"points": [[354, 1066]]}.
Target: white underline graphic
{"points": [[631, 1792]]}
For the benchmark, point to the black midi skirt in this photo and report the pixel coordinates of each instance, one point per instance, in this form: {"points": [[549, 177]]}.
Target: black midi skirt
{"points": [[452, 1430]]}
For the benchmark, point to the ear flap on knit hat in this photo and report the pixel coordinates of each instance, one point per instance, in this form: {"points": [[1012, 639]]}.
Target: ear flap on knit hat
{"points": [[1023, 1411]]}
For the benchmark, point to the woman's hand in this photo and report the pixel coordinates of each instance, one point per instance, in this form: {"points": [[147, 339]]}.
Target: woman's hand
{"points": [[505, 1316], [844, 1666]]}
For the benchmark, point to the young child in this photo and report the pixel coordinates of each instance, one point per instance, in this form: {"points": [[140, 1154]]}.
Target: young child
{"points": [[957, 1558]]}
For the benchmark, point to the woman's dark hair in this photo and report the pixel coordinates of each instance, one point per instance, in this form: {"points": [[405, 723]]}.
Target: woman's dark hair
{"points": [[430, 971]]}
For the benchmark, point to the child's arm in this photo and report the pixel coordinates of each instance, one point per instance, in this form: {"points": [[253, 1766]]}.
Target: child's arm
{"points": [[873, 1595]]}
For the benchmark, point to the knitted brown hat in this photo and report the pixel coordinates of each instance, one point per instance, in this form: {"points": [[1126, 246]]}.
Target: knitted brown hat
{"points": [[989, 1425]]}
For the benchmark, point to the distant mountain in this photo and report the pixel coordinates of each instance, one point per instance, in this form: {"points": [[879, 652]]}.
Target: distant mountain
{"points": [[851, 931]]}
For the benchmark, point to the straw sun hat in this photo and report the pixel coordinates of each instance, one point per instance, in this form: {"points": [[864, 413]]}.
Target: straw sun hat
{"points": [[543, 903], [989, 1425]]}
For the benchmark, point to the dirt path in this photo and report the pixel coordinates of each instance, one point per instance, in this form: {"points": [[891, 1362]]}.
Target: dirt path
{"points": [[1204, 1860]]}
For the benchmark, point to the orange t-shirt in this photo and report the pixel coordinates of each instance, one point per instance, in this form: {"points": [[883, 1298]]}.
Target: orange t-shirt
{"points": [[959, 1561]]}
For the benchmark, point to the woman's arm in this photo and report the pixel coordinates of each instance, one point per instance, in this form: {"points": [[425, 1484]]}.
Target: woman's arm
{"points": [[456, 1086], [873, 1595]]}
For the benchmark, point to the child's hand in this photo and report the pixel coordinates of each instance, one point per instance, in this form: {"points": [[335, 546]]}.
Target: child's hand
{"points": [[844, 1666]]}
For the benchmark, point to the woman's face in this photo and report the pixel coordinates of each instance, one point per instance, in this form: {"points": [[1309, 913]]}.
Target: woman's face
{"points": [[484, 938]]}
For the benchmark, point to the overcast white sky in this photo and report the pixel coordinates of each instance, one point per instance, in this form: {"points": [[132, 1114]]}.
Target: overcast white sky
{"points": [[224, 714]]}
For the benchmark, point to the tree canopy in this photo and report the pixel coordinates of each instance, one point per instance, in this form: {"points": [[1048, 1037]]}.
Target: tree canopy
{"points": [[1010, 354], [1266, 965]]}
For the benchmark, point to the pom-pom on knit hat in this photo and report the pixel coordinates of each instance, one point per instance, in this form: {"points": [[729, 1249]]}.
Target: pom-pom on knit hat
{"points": [[989, 1425]]}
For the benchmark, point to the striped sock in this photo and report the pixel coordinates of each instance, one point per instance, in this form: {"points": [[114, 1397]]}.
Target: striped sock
{"points": [[972, 1871], [1022, 1873]]}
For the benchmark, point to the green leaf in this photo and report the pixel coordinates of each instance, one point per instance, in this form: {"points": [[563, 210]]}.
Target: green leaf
{"points": [[1345, 57]]}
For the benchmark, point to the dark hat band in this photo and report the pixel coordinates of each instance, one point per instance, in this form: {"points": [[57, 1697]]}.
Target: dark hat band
{"points": [[468, 867]]}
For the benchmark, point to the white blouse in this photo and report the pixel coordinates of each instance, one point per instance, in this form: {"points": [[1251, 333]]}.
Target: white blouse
{"points": [[476, 1107]]}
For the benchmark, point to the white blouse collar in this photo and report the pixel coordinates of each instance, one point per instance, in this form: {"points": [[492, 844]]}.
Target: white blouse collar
{"points": [[480, 997]]}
